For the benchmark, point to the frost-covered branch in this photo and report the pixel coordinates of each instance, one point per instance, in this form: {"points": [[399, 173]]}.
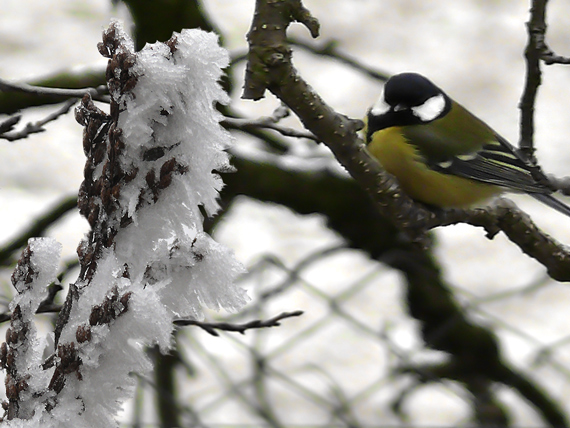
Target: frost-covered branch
{"points": [[146, 261], [21, 354], [46, 309]]}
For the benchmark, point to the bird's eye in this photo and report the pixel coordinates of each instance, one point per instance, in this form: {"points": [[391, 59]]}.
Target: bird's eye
{"points": [[431, 109]]}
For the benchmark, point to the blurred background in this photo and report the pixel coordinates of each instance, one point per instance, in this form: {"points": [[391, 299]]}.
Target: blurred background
{"points": [[472, 332]]}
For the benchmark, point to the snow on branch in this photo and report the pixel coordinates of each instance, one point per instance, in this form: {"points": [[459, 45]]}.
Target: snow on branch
{"points": [[150, 174], [21, 354]]}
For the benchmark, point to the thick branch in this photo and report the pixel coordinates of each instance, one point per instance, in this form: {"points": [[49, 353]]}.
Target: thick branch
{"points": [[270, 68]]}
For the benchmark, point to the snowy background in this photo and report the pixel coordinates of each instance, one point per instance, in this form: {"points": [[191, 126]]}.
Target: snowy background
{"points": [[473, 49]]}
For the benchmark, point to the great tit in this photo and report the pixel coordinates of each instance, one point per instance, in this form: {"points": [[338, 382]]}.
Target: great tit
{"points": [[443, 155]]}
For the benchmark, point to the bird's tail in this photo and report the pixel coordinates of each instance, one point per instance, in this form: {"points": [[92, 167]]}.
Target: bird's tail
{"points": [[552, 202]]}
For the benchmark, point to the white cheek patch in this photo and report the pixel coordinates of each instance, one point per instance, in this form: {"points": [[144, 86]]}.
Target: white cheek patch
{"points": [[431, 109], [380, 107]]}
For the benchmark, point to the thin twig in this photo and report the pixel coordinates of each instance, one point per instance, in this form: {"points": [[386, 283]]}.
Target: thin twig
{"points": [[211, 327], [35, 127], [536, 50], [536, 28], [245, 124], [273, 143], [8, 124], [269, 122], [550, 57], [329, 49], [96, 93]]}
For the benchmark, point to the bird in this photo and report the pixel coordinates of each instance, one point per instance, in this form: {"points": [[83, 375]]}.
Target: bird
{"points": [[441, 154]]}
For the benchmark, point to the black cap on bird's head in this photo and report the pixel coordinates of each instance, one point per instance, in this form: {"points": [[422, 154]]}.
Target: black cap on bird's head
{"points": [[407, 90], [408, 99]]}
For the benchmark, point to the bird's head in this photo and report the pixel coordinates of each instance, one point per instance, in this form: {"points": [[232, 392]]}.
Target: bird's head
{"points": [[408, 99]]}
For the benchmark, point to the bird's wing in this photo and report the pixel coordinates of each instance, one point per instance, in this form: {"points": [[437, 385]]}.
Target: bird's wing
{"points": [[497, 163]]}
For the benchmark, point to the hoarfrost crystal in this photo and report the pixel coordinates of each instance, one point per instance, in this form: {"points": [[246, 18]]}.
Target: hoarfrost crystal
{"points": [[150, 168]]}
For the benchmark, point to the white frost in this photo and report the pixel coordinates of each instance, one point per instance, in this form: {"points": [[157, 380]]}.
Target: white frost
{"points": [[173, 108], [44, 260], [163, 264], [42, 267]]}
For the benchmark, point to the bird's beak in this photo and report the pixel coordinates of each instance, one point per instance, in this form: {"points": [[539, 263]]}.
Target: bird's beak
{"points": [[400, 107]]}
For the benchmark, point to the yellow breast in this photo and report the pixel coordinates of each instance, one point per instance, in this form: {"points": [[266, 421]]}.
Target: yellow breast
{"points": [[403, 161]]}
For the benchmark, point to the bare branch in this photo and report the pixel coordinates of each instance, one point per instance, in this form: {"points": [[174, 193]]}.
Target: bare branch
{"points": [[329, 49], [42, 91], [8, 124], [245, 124], [536, 50], [269, 122], [96, 93], [550, 57], [562, 185], [35, 127], [505, 217], [211, 327], [536, 28], [270, 68]]}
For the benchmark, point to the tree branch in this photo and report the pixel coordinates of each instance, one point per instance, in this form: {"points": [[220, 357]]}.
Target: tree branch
{"points": [[536, 28], [42, 91], [11, 102], [329, 49], [269, 68], [35, 127], [536, 50], [8, 124], [504, 216], [268, 122], [211, 327]]}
